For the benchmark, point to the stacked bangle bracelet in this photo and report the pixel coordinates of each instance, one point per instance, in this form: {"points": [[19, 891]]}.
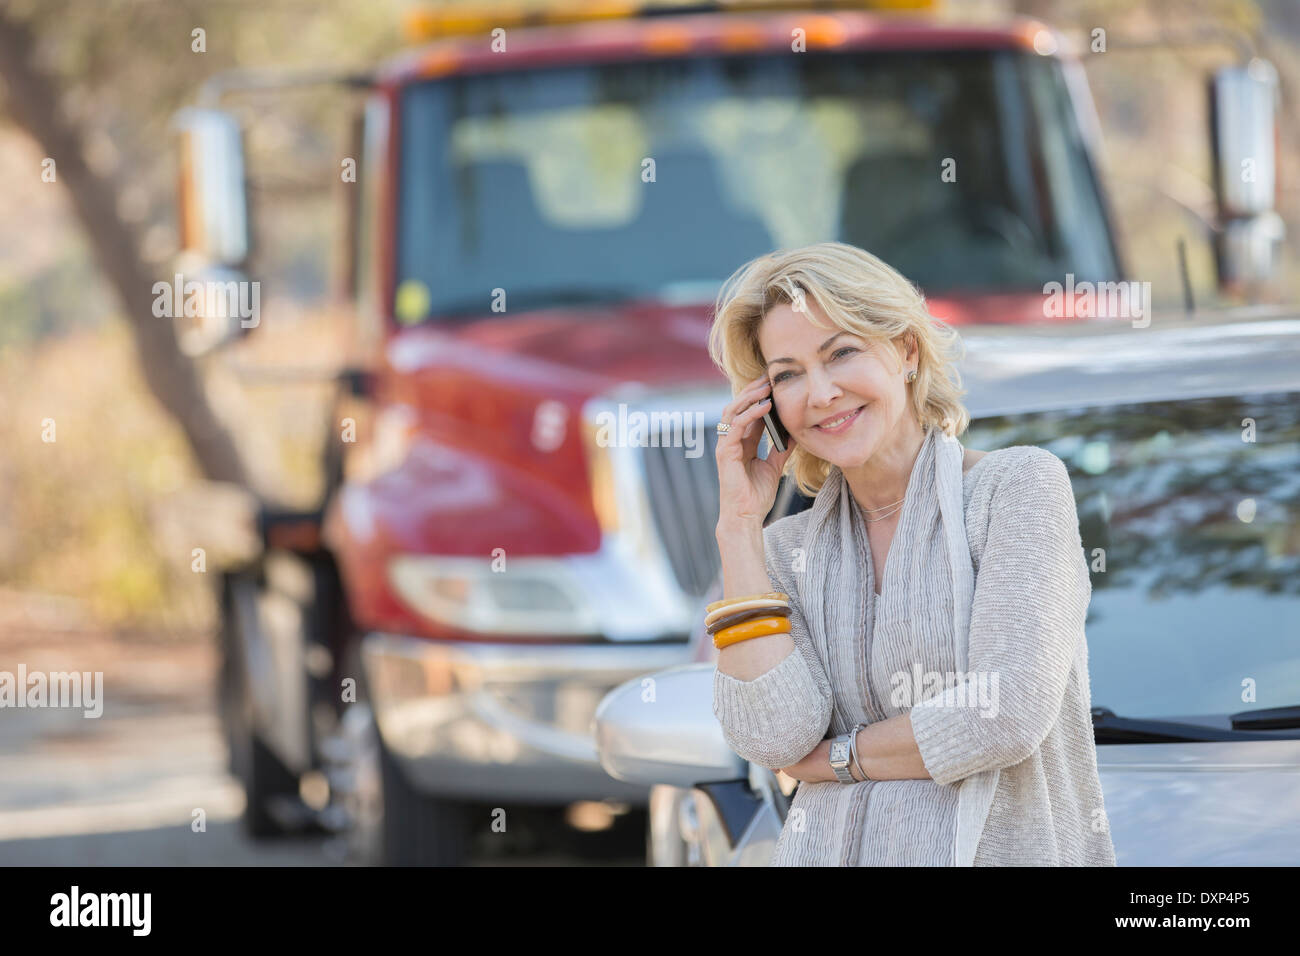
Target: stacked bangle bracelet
{"points": [[739, 619]]}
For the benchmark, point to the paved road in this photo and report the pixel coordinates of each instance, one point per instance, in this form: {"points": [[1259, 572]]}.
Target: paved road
{"points": [[122, 789]]}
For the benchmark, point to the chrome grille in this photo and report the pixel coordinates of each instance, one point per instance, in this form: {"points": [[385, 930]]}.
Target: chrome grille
{"points": [[683, 496]]}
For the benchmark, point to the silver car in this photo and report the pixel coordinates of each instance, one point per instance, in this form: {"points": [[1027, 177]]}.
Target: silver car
{"points": [[1183, 444]]}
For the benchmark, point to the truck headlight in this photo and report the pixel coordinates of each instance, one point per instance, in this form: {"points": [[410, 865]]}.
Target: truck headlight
{"points": [[526, 597]]}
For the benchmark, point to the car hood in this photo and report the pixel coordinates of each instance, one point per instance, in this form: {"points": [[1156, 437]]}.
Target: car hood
{"points": [[1203, 804]]}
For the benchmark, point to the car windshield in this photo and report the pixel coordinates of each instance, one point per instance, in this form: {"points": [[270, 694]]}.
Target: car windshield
{"points": [[1190, 517], [965, 170]]}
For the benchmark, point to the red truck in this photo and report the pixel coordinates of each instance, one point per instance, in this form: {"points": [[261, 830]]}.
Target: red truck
{"points": [[544, 214]]}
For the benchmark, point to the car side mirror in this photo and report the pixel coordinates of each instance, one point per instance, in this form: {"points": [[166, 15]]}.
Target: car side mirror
{"points": [[660, 729]]}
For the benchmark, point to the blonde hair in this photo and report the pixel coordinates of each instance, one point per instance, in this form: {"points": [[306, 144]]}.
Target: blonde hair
{"points": [[858, 293]]}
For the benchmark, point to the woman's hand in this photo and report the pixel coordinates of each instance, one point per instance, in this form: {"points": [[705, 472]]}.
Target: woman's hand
{"points": [[747, 484], [814, 768]]}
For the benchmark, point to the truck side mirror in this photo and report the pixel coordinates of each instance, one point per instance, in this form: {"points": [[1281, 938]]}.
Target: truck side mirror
{"points": [[212, 209], [213, 203], [1243, 124]]}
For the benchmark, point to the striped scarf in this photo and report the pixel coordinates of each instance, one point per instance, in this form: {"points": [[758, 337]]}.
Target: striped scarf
{"points": [[932, 558]]}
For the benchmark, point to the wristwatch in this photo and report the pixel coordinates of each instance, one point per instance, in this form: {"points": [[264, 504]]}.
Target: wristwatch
{"points": [[842, 748]]}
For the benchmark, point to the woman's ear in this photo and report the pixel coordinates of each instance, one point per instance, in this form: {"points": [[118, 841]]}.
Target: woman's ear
{"points": [[904, 350], [909, 341]]}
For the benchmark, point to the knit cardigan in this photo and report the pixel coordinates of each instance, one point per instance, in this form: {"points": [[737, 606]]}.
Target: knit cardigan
{"points": [[1026, 625]]}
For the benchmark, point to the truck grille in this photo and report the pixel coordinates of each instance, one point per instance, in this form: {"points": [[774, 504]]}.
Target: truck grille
{"points": [[683, 495]]}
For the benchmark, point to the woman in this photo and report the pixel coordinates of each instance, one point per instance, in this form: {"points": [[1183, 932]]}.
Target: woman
{"points": [[922, 624]]}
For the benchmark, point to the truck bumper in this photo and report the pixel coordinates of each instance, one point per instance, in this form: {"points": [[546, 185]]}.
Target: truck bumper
{"points": [[482, 722]]}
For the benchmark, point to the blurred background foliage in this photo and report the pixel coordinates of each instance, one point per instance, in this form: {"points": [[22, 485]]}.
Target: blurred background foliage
{"points": [[76, 515]]}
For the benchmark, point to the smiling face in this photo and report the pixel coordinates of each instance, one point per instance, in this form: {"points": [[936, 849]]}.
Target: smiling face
{"points": [[831, 374]]}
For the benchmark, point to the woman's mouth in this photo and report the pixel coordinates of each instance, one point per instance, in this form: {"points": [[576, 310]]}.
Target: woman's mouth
{"points": [[841, 424]]}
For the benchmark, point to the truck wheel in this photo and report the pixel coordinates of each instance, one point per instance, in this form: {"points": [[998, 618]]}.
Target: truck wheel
{"points": [[419, 830], [268, 782], [265, 779], [391, 822], [228, 703]]}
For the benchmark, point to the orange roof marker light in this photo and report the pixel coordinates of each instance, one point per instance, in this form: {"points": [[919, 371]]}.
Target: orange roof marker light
{"points": [[429, 24], [1039, 37], [432, 23], [825, 31], [743, 36], [667, 39], [440, 62]]}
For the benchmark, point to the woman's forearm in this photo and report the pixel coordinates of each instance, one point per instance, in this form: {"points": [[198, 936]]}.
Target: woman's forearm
{"points": [[744, 572], [887, 750]]}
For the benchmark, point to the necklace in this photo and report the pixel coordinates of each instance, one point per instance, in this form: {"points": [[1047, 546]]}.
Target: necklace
{"points": [[882, 517], [897, 505], [882, 507]]}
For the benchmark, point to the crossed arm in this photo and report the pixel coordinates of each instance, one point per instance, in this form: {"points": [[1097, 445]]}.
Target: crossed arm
{"points": [[887, 750]]}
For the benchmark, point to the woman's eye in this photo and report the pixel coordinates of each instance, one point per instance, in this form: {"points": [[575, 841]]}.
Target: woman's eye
{"points": [[837, 354]]}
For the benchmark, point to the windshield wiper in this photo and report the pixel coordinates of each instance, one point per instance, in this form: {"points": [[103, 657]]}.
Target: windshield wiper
{"points": [[1271, 718], [1109, 728]]}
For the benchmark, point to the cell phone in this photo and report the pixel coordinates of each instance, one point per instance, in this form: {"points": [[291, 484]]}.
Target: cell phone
{"points": [[776, 431]]}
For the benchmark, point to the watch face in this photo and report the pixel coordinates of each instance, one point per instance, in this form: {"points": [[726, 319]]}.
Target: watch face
{"points": [[839, 751]]}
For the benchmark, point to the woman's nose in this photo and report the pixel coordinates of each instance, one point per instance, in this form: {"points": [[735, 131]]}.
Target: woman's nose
{"points": [[822, 391]]}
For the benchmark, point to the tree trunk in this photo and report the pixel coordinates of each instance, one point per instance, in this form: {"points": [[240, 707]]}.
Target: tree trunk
{"points": [[32, 101]]}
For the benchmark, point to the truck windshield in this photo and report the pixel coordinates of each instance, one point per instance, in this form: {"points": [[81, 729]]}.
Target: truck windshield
{"points": [[965, 170]]}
